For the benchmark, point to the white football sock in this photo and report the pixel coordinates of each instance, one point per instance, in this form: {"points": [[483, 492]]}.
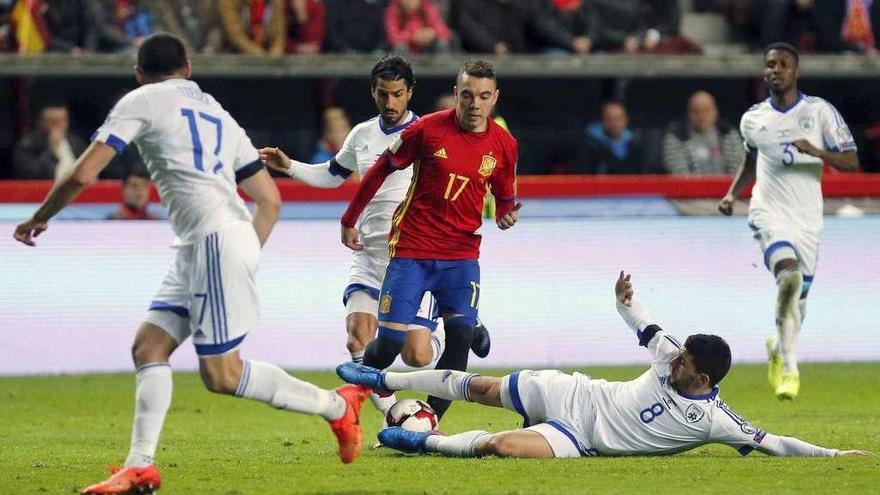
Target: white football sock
{"points": [[268, 383], [382, 404], [438, 345], [357, 356], [788, 316], [443, 384], [460, 445], [152, 400], [802, 306]]}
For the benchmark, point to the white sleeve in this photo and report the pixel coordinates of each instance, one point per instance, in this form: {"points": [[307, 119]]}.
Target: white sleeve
{"points": [[331, 173], [835, 133], [129, 119], [663, 347], [733, 430], [744, 128]]}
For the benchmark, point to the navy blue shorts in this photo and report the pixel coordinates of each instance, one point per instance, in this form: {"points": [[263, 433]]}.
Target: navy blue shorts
{"points": [[455, 285]]}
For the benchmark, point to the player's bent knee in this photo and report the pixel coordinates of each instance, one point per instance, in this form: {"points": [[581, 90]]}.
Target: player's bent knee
{"points": [[416, 357], [152, 345]]}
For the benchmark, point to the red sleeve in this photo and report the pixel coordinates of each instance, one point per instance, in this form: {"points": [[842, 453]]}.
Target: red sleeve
{"points": [[392, 25], [504, 181], [371, 183], [436, 22]]}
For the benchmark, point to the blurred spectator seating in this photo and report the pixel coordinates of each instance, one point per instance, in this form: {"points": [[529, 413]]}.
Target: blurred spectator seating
{"points": [[196, 22], [355, 26], [254, 27], [611, 147], [511, 26], [135, 198], [663, 35], [68, 25], [117, 26], [50, 151], [702, 144], [305, 26], [416, 26], [336, 127]]}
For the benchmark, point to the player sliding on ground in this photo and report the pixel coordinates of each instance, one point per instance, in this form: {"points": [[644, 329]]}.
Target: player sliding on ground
{"points": [[672, 407], [196, 154]]}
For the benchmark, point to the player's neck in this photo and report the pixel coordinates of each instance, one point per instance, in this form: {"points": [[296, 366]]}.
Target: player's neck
{"points": [[785, 98]]}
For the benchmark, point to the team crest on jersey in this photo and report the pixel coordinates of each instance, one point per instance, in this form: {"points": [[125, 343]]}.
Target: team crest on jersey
{"points": [[487, 165], [694, 413], [385, 304], [806, 122]]}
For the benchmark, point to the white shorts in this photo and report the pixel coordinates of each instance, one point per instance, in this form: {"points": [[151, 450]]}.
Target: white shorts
{"points": [[804, 243], [549, 402], [210, 291], [366, 275]]}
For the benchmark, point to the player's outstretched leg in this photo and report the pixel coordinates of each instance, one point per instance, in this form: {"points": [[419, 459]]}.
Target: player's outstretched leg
{"points": [[347, 428], [127, 480], [361, 374], [774, 362], [481, 343], [790, 282], [477, 443]]}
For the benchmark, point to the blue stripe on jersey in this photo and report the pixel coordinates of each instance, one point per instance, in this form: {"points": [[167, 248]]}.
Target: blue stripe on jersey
{"points": [[397, 128], [338, 170], [352, 288], [214, 349], [116, 143], [672, 340], [647, 334], [225, 334], [711, 395], [164, 306], [513, 383], [570, 436], [773, 247], [212, 299], [248, 170], [786, 108]]}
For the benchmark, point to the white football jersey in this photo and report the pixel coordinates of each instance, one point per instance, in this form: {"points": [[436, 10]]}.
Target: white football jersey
{"points": [[787, 187], [648, 416], [193, 150], [362, 147]]}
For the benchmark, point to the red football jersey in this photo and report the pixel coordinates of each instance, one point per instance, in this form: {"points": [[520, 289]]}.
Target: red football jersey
{"points": [[442, 213]]}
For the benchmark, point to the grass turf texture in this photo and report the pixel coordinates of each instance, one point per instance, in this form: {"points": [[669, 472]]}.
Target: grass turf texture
{"points": [[57, 434]]}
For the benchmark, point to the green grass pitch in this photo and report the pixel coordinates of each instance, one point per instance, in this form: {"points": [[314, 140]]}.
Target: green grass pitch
{"points": [[57, 434]]}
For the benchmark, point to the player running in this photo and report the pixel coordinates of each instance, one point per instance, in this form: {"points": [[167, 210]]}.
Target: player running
{"points": [[788, 137], [672, 407], [196, 154], [457, 155], [391, 83]]}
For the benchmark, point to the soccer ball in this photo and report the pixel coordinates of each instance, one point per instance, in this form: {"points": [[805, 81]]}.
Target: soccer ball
{"points": [[412, 415]]}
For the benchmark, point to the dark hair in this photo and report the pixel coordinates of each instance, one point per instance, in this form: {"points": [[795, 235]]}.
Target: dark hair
{"points": [[785, 47], [161, 53], [479, 68], [135, 171], [711, 355], [391, 69]]}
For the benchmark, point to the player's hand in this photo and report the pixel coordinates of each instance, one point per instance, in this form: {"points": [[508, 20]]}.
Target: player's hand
{"points": [[725, 206], [27, 231], [350, 238], [854, 453], [510, 218], [807, 148], [623, 289], [275, 159]]}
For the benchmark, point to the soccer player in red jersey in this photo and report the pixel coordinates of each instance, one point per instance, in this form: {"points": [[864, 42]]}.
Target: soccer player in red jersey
{"points": [[434, 242]]}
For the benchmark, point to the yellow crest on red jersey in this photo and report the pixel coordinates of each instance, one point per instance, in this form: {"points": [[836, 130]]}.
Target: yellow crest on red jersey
{"points": [[385, 304], [487, 165]]}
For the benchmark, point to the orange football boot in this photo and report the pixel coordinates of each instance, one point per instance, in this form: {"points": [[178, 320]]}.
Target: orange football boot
{"points": [[129, 480], [348, 429]]}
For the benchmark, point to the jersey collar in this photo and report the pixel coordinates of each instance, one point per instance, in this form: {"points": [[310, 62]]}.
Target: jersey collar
{"points": [[786, 109], [711, 395], [391, 130]]}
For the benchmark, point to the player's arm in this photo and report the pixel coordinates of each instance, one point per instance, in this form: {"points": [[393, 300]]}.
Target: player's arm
{"points": [[93, 160], [663, 347], [845, 161], [503, 187], [326, 175], [839, 148], [745, 175], [370, 184], [258, 184], [793, 447]]}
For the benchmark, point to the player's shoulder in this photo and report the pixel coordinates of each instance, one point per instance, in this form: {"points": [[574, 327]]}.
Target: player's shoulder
{"points": [[502, 133], [757, 109], [817, 104], [443, 118], [366, 127]]}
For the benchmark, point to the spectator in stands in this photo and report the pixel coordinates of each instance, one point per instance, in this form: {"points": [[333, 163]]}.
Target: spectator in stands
{"points": [[68, 24], [254, 27], [336, 128], [416, 26], [860, 24], [663, 35], [196, 22], [5, 29], [135, 198], [117, 26], [512, 26], [305, 26], [355, 26], [702, 145], [616, 25], [611, 147], [444, 102], [50, 151]]}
